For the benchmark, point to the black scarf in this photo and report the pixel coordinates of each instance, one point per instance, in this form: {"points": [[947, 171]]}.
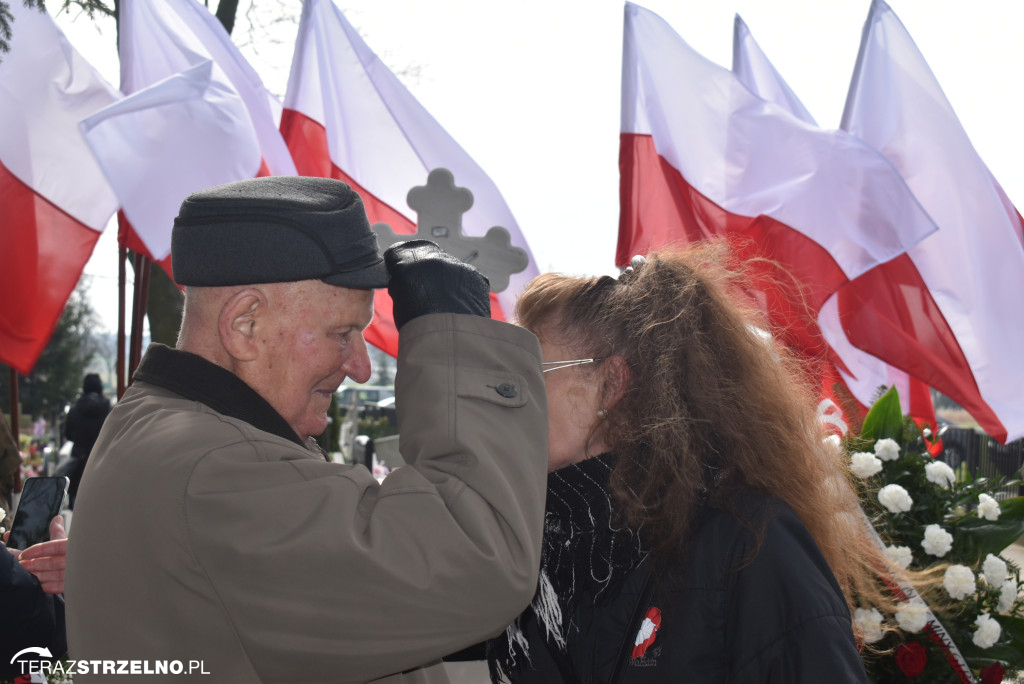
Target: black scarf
{"points": [[583, 554]]}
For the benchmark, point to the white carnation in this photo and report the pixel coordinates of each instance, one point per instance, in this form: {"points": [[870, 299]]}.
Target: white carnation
{"points": [[988, 508], [937, 541], [887, 449], [959, 581], [900, 555], [864, 465], [994, 569], [912, 616], [988, 631], [3, 514], [869, 621], [940, 473], [895, 498], [1007, 596]]}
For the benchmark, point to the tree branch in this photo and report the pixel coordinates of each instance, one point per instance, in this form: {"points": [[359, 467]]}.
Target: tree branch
{"points": [[6, 18]]}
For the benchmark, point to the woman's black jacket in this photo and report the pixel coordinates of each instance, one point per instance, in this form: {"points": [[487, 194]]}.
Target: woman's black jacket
{"points": [[722, 617]]}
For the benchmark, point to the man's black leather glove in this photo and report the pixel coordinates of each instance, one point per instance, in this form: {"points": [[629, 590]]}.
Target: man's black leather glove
{"points": [[425, 279]]}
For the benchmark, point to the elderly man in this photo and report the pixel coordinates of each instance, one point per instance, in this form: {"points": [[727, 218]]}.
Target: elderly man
{"points": [[211, 535]]}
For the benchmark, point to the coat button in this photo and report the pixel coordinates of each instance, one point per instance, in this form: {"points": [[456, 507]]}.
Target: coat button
{"points": [[507, 390]]}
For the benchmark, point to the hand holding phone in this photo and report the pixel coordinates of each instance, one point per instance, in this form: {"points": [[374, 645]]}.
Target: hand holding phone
{"points": [[48, 560], [41, 501]]}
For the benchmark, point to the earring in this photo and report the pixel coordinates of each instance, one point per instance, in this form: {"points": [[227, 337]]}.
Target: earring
{"points": [[601, 413]]}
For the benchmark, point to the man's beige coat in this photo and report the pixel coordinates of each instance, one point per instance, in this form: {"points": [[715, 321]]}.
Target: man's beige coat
{"points": [[199, 537]]}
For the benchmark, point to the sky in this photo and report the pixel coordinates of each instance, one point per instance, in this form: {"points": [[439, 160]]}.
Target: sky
{"points": [[531, 88]]}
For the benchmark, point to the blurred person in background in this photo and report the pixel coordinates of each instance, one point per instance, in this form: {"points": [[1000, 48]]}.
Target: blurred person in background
{"points": [[31, 588], [10, 470], [82, 427]]}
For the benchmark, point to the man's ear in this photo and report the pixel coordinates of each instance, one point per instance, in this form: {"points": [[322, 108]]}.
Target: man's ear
{"points": [[615, 381], [237, 323]]}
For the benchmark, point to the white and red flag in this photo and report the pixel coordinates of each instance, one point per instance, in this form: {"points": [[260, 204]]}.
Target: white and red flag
{"points": [[54, 202], [188, 132], [860, 372], [947, 312], [755, 71], [347, 116], [162, 39], [702, 156]]}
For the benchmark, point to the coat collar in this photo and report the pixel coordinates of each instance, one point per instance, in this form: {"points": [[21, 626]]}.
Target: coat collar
{"points": [[193, 377]]}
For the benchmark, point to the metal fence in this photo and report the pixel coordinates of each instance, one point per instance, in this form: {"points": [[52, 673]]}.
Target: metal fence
{"points": [[984, 456]]}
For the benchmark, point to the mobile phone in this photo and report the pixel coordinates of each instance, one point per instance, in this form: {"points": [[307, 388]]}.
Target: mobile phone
{"points": [[41, 501]]}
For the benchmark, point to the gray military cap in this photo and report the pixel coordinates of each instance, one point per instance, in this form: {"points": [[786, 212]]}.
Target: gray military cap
{"points": [[276, 229]]}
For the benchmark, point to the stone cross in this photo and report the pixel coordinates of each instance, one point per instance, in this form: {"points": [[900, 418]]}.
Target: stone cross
{"points": [[439, 206]]}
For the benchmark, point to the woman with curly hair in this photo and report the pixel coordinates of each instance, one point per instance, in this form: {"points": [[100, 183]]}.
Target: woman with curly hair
{"points": [[698, 527]]}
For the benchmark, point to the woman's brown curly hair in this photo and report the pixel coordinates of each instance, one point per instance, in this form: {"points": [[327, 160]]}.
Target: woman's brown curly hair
{"points": [[713, 407]]}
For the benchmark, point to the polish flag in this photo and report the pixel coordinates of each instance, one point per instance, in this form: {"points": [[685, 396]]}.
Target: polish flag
{"points": [[347, 116], [755, 71], [860, 372], [186, 133], [55, 202], [947, 312], [160, 39], [702, 156]]}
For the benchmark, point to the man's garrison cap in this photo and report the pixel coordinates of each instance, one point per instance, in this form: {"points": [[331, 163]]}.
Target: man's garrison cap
{"points": [[276, 229]]}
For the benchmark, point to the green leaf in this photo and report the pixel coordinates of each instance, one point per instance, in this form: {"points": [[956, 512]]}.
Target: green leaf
{"points": [[992, 536], [1014, 627], [885, 419], [1009, 647], [1001, 652]]}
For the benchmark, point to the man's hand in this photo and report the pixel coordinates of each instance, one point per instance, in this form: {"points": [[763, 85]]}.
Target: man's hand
{"points": [[425, 279], [47, 560]]}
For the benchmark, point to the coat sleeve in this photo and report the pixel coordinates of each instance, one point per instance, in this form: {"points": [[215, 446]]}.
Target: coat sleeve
{"points": [[72, 424], [31, 618], [327, 573]]}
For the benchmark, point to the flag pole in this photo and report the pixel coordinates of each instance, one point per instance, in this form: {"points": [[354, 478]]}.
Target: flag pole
{"points": [[122, 256], [15, 426], [134, 329], [142, 268], [15, 410]]}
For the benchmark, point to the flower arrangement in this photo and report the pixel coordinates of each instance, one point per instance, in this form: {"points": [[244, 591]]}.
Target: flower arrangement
{"points": [[32, 460], [931, 518]]}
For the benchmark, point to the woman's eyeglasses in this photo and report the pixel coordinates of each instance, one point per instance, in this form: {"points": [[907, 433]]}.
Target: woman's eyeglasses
{"points": [[558, 365]]}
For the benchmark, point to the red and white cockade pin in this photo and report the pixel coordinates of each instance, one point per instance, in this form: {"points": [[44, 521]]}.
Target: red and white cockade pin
{"points": [[648, 632]]}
